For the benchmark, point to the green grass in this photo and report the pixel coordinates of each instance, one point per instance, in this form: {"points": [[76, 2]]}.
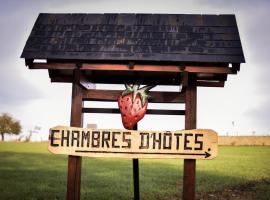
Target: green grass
{"points": [[29, 171]]}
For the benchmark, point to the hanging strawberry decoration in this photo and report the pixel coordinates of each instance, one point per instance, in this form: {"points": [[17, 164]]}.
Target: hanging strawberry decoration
{"points": [[133, 104]]}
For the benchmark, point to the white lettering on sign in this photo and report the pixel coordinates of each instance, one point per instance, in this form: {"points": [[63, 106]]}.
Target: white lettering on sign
{"points": [[187, 144]]}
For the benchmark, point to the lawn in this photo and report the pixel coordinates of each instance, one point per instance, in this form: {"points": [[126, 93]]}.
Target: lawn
{"points": [[29, 171]]}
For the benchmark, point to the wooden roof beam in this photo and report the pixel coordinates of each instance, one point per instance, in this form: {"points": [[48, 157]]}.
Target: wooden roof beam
{"points": [[54, 66], [209, 70], [210, 83], [211, 77], [136, 67]]}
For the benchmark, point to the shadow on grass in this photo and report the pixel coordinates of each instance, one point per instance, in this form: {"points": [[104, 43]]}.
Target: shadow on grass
{"points": [[43, 176]]}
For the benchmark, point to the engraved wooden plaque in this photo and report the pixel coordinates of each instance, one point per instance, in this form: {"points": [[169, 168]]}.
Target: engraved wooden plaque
{"points": [[186, 144]]}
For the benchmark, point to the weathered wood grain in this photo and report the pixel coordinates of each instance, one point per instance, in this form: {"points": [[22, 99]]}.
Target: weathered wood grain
{"points": [[74, 161], [187, 144], [189, 173]]}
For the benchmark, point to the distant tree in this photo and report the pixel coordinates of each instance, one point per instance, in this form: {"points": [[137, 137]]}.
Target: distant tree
{"points": [[9, 125]]}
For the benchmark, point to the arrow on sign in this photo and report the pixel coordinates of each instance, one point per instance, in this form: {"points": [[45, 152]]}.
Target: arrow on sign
{"points": [[205, 154]]}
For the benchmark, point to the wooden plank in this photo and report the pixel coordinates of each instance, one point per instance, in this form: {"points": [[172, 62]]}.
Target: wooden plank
{"points": [[158, 68], [189, 183], [211, 77], [210, 84], [187, 144], [136, 175], [136, 179], [138, 67], [149, 111], [209, 69], [122, 67], [112, 95], [74, 178], [74, 161], [189, 172], [117, 77], [67, 66]]}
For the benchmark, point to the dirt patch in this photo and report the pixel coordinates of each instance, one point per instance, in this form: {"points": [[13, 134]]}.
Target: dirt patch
{"points": [[258, 190]]}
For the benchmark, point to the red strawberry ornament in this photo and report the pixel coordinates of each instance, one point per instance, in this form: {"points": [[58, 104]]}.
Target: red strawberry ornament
{"points": [[133, 104]]}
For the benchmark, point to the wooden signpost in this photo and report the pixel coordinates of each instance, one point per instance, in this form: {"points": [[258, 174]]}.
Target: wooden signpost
{"points": [[187, 144], [157, 49]]}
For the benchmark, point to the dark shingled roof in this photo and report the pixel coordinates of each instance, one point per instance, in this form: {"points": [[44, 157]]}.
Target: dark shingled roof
{"points": [[135, 37]]}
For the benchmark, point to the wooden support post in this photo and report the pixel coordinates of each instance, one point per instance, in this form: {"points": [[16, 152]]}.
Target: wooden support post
{"points": [[136, 180], [190, 123], [74, 162]]}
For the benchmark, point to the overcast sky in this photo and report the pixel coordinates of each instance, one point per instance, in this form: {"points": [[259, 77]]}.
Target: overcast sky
{"points": [[30, 97]]}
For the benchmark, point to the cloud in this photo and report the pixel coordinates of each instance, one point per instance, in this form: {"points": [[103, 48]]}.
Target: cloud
{"points": [[259, 115], [232, 3], [15, 89]]}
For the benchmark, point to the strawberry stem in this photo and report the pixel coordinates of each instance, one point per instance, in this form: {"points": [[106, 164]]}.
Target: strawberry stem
{"points": [[136, 90]]}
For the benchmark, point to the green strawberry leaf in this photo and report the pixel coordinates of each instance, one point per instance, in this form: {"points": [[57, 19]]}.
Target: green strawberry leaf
{"points": [[136, 90]]}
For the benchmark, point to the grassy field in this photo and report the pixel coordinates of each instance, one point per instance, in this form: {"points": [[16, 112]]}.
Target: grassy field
{"points": [[29, 171]]}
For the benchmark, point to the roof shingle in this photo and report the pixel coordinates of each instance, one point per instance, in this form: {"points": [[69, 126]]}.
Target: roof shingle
{"points": [[135, 37]]}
